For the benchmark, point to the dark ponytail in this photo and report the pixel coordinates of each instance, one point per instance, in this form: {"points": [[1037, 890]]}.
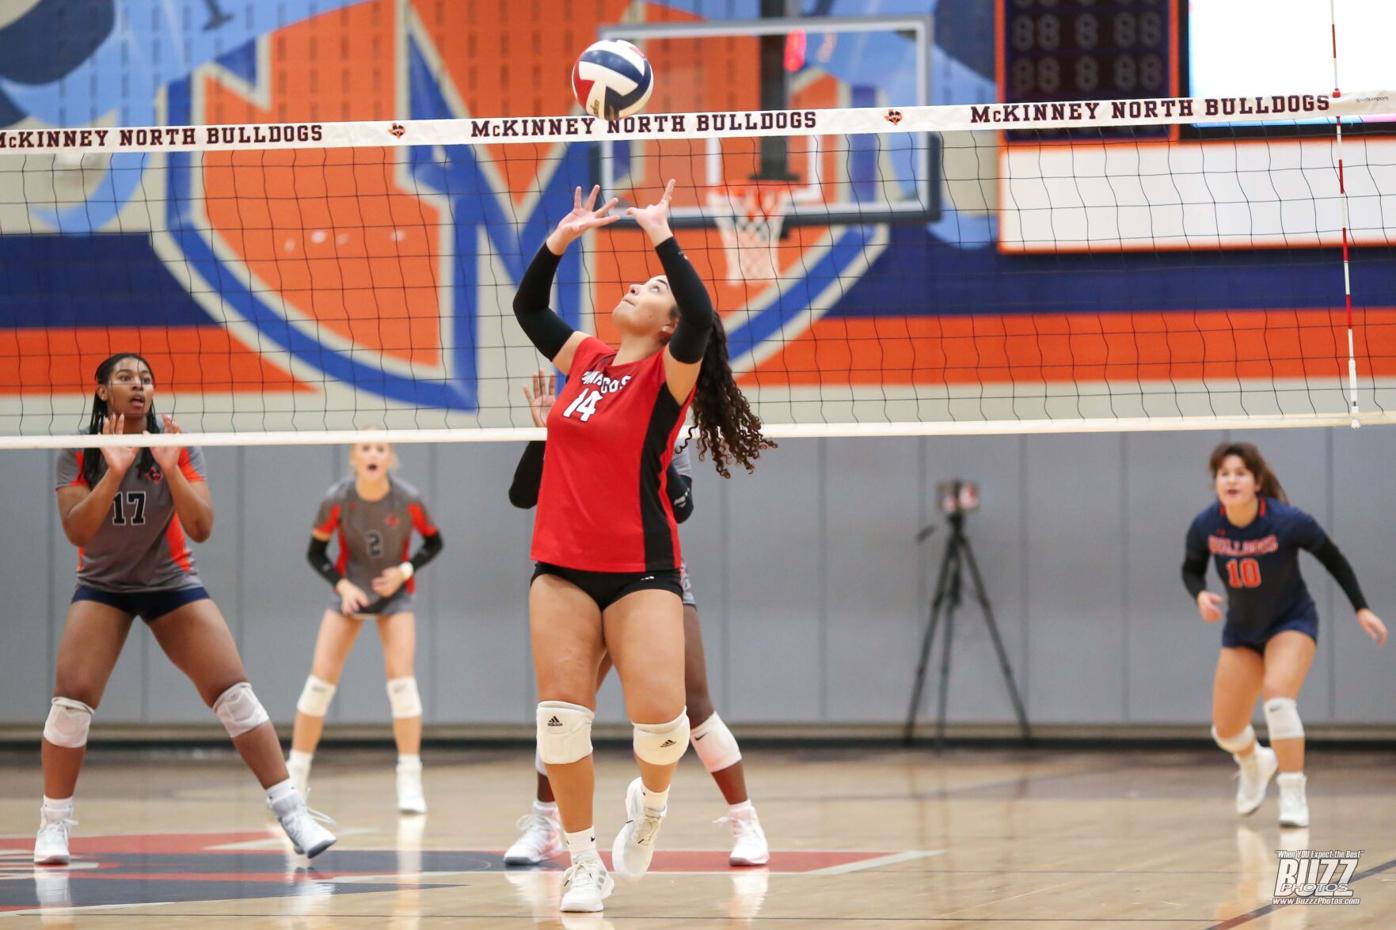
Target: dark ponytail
{"points": [[92, 462], [1266, 484], [727, 429]]}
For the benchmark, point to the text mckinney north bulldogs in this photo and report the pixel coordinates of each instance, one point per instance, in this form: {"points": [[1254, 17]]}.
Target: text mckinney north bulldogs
{"points": [[1149, 109], [661, 122]]}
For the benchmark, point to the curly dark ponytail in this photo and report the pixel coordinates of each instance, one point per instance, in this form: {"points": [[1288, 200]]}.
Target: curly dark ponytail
{"points": [[727, 429], [92, 462]]}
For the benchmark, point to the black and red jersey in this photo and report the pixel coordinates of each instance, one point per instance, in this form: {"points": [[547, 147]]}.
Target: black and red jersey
{"points": [[603, 505]]}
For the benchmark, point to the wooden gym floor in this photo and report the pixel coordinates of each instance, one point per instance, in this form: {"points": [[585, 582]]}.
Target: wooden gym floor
{"points": [[862, 838]]}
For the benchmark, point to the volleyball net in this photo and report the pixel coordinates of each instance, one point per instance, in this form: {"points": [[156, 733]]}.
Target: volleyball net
{"points": [[1166, 263]]}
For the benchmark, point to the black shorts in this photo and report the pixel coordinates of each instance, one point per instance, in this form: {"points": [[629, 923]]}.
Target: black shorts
{"points": [[605, 588], [148, 605]]}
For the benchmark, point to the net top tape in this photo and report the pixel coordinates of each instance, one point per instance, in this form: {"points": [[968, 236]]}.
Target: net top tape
{"points": [[704, 125]]}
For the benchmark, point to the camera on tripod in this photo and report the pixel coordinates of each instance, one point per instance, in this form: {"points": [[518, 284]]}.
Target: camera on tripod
{"points": [[957, 496]]}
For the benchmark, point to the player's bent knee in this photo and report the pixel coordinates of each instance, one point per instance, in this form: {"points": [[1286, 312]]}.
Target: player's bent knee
{"points": [[316, 697], [403, 697], [716, 746], [662, 743], [1282, 719], [68, 722], [564, 732], [239, 710], [1236, 743]]}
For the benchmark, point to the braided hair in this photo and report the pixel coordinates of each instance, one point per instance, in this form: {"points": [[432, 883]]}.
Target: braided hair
{"points": [[727, 428], [92, 462]]}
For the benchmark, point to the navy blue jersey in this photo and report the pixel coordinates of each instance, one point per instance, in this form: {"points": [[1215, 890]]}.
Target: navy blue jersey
{"points": [[1259, 563]]}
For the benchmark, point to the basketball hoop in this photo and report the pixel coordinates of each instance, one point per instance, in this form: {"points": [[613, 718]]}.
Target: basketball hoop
{"points": [[750, 219]]}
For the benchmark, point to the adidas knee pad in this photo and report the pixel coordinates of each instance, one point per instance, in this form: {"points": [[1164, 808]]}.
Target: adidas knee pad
{"points": [[67, 723], [1282, 719], [715, 744], [662, 743], [239, 710], [404, 698], [315, 697], [564, 732], [1234, 744]]}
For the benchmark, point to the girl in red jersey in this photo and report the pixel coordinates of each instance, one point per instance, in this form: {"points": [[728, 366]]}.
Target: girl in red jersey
{"points": [[372, 513], [605, 540], [1254, 535], [128, 511]]}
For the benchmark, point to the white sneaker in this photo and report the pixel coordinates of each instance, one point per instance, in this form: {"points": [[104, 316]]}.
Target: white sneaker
{"points": [[1254, 778], [634, 846], [299, 773], [586, 885], [541, 839], [410, 799], [748, 839], [1294, 806], [51, 843], [303, 826]]}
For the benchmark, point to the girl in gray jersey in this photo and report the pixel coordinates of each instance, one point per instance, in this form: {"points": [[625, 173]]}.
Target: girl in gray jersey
{"points": [[130, 512], [371, 514], [712, 741]]}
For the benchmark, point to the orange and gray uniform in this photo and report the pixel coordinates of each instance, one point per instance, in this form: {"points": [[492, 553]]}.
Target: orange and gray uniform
{"points": [[141, 546], [373, 536]]}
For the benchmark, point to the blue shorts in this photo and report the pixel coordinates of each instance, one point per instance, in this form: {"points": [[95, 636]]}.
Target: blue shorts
{"points": [[148, 605], [1233, 637]]}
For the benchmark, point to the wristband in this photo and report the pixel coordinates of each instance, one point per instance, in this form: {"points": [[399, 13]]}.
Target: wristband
{"points": [[407, 570]]}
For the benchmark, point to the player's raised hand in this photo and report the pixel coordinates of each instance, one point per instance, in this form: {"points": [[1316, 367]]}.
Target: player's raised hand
{"points": [[654, 219], [167, 457], [1210, 605], [541, 395], [584, 216], [1371, 625], [118, 458]]}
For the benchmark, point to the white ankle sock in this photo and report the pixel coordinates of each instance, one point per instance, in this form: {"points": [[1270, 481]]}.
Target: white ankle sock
{"points": [[280, 792], [546, 807], [409, 762], [744, 809], [300, 758], [656, 801], [581, 843], [57, 808]]}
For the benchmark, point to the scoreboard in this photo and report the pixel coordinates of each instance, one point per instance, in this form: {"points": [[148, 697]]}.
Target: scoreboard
{"points": [[1054, 50]]}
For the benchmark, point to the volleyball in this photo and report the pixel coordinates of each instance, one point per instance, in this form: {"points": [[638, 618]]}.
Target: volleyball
{"points": [[612, 79]]}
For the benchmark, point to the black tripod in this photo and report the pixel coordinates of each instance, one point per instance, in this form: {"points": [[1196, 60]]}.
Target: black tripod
{"points": [[947, 598]]}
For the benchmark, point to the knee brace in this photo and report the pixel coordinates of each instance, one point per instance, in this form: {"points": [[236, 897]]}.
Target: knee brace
{"points": [[716, 746], [315, 697], [662, 743], [564, 732], [68, 722], [1282, 719], [239, 710], [403, 697], [1234, 744]]}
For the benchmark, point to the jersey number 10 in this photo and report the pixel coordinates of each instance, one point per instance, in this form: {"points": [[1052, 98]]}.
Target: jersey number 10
{"points": [[1243, 573]]}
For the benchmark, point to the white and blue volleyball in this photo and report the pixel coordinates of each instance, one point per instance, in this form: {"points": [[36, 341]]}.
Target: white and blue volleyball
{"points": [[612, 79]]}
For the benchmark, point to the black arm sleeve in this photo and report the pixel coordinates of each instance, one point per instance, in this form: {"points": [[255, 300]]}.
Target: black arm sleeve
{"points": [[429, 549], [545, 329], [318, 557], [680, 494], [696, 313], [1338, 566], [528, 476], [1195, 575]]}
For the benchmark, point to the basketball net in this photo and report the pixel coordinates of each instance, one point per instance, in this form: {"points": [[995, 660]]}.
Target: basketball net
{"points": [[750, 220]]}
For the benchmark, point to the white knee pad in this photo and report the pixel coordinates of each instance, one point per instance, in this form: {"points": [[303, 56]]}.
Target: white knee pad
{"points": [[315, 697], [1282, 718], [68, 722], [564, 732], [1234, 744], [239, 710], [715, 744], [662, 743], [403, 697]]}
